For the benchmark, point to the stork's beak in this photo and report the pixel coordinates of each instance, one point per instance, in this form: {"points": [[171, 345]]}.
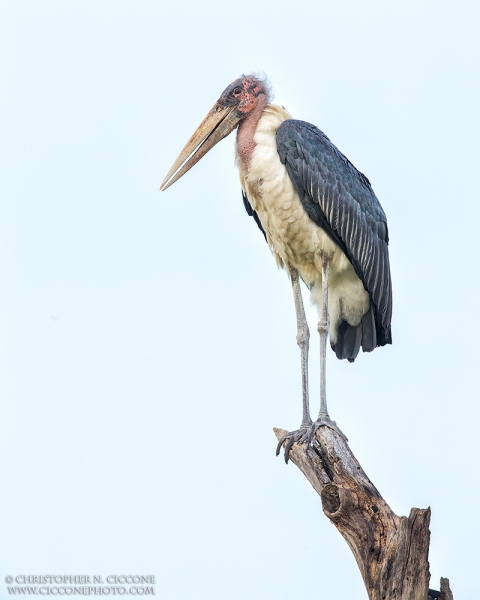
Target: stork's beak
{"points": [[219, 122]]}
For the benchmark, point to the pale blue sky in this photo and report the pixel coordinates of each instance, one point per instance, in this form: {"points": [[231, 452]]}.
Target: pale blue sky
{"points": [[148, 340]]}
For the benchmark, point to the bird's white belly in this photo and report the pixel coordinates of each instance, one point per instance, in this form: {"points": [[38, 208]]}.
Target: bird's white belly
{"points": [[292, 236]]}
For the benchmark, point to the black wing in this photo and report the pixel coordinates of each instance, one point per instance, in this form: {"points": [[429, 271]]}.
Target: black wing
{"points": [[341, 201], [252, 213]]}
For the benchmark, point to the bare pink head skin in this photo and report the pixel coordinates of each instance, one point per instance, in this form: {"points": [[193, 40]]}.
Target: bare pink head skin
{"points": [[251, 95], [240, 105]]}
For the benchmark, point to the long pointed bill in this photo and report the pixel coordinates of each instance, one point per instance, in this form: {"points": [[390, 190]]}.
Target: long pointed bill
{"points": [[219, 122]]}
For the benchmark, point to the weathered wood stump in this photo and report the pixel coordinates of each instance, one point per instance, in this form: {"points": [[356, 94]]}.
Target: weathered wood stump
{"points": [[391, 551]]}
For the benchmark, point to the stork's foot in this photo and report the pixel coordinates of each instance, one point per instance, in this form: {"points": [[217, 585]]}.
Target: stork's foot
{"points": [[325, 421], [305, 435], [299, 436]]}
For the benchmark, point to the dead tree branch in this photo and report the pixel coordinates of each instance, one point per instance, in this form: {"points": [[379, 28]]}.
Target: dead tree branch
{"points": [[391, 551]]}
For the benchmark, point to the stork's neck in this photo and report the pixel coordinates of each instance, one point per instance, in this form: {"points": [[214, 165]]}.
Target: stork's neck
{"points": [[246, 131]]}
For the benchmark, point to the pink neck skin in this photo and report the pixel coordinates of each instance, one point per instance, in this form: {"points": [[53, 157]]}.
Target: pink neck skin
{"points": [[246, 131]]}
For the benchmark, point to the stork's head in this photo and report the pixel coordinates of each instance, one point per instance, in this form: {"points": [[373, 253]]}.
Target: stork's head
{"points": [[244, 94], [244, 97]]}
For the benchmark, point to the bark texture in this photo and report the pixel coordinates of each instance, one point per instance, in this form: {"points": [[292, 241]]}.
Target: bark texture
{"points": [[391, 551]]}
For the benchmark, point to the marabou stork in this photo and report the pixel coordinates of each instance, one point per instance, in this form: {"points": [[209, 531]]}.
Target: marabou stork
{"points": [[320, 218]]}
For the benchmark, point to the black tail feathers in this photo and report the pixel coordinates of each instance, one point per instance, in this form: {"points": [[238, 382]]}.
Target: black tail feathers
{"points": [[351, 337]]}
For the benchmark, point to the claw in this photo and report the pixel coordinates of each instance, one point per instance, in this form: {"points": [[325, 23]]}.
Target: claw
{"points": [[280, 442], [288, 447]]}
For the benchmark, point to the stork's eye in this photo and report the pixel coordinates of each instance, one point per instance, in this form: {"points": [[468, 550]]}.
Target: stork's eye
{"points": [[237, 91]]}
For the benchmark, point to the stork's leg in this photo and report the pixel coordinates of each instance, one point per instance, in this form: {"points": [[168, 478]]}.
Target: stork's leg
{"points": [[303, 336], [323, 330], [306, 432]]}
